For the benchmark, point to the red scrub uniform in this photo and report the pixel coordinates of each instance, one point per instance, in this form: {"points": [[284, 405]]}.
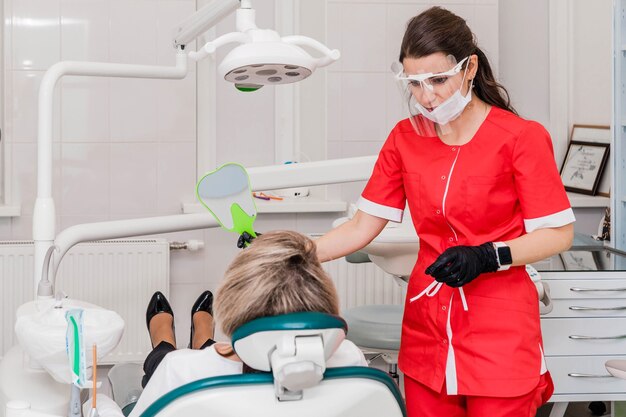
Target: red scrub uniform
{"points": [[483, 339]]}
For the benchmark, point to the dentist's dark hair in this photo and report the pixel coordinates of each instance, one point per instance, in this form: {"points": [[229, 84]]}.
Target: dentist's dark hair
{"points": [[439, 30]]}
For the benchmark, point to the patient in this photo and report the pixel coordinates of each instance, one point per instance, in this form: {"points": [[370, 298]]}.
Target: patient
{"points": [[278, 273]]}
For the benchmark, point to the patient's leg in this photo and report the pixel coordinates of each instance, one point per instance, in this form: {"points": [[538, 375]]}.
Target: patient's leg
{"points": [[163, 340], [203, 330]]}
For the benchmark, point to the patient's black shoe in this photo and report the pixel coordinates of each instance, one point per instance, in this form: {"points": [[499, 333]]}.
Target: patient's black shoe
{"points": [[203, 303], [157, 304]]}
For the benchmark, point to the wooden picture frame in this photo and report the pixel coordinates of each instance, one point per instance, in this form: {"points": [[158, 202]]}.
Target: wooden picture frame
{"points": [[600, 134], [583, 166]]}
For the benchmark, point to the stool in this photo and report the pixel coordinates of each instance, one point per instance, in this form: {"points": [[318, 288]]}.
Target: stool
{"points": [[377, 328]]}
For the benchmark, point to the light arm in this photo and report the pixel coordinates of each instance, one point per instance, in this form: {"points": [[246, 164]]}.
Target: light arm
{"points": [[203, 20]]}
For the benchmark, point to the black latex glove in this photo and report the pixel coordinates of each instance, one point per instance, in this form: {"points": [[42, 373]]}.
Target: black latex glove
{"points": [[245, 239], [458, 265]]}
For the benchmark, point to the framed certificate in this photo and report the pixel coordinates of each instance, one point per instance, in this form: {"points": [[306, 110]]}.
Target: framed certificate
{"points": [[583, 166], [601, 134]]}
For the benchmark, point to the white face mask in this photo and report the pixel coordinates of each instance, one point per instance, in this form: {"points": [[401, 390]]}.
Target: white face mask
{"points": [[450, 109]]}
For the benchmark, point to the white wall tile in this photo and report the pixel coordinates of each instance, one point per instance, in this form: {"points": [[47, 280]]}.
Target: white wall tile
{"points": [[85, 30], [24, 175], [133, 109], [316, 222], [362, 148], [73, 220], [5, 228], [24, 111], [334, 107], [85, 174], [364, 50], [464, 10], [36, 34], [352, 191], [397, 103], [334, 149], [85, 109], [334, 33], [176, 175], [176, 110], [22, 227], [268, 221], [245, 132], [133, 179], [484, 24], [398, 16], [363, 106], [133, 28]]}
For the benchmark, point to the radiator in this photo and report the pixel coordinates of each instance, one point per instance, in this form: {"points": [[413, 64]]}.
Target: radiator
{"points": [[363, 284], [120, 275]]}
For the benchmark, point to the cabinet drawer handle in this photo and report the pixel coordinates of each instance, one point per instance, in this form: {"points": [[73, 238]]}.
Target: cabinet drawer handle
{"points": [[597, 308], [577, 375], [577, 289], [579, 337]]}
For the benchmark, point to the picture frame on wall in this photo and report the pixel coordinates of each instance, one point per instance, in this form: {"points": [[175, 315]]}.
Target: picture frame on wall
{"points": [[599, 134], [583, 166]]}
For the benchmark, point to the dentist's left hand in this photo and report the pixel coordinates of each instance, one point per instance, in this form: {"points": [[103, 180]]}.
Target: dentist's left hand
{"points": [[459, 265]]}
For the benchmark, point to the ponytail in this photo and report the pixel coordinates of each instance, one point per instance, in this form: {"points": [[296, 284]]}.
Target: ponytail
{"points": [[487, 88]]}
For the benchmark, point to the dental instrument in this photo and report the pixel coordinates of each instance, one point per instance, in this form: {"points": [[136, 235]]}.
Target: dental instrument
{"points": [[94, 403]]}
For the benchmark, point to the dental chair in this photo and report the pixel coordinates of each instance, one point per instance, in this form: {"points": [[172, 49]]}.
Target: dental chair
{"points": [[291, 351], [376, 328]]}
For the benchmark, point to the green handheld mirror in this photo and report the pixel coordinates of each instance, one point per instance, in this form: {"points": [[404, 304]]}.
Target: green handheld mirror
{"points": [[226, 193]]}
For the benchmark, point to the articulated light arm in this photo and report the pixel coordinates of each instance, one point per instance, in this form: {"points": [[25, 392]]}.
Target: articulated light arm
{"points": [[306, 174], [203, 20]]}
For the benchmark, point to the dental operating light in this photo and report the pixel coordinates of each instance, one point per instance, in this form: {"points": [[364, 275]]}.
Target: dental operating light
{"points": [[263, 56]]}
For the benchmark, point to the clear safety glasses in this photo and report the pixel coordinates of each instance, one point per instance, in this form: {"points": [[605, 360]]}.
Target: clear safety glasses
{"points": [[431, 81]]}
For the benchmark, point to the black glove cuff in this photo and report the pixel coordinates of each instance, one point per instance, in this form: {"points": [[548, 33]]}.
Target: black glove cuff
{"points": [[489, 257]]}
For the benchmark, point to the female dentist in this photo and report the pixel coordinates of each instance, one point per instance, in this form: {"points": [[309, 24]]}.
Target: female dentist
{"points": [[486, 199]]}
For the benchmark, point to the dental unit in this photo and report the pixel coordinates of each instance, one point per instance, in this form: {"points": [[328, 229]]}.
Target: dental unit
{"points": [[28, 386]]}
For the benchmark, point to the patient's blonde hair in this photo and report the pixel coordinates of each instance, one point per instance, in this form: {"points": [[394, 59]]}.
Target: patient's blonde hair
{"points": [[278, 273]]}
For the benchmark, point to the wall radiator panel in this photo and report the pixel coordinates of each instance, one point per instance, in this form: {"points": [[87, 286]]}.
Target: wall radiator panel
{"points": [[120, 275], [363, 284]]}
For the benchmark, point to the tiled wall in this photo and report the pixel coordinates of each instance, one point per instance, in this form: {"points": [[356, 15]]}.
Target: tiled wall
{"points": [[363, 101], [122, 147]]}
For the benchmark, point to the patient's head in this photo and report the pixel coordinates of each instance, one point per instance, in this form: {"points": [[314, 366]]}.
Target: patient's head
{"points": [[278, 273]]}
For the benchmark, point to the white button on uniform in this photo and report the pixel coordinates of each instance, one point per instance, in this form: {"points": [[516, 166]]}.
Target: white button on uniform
{"points": [[443, 177]]}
